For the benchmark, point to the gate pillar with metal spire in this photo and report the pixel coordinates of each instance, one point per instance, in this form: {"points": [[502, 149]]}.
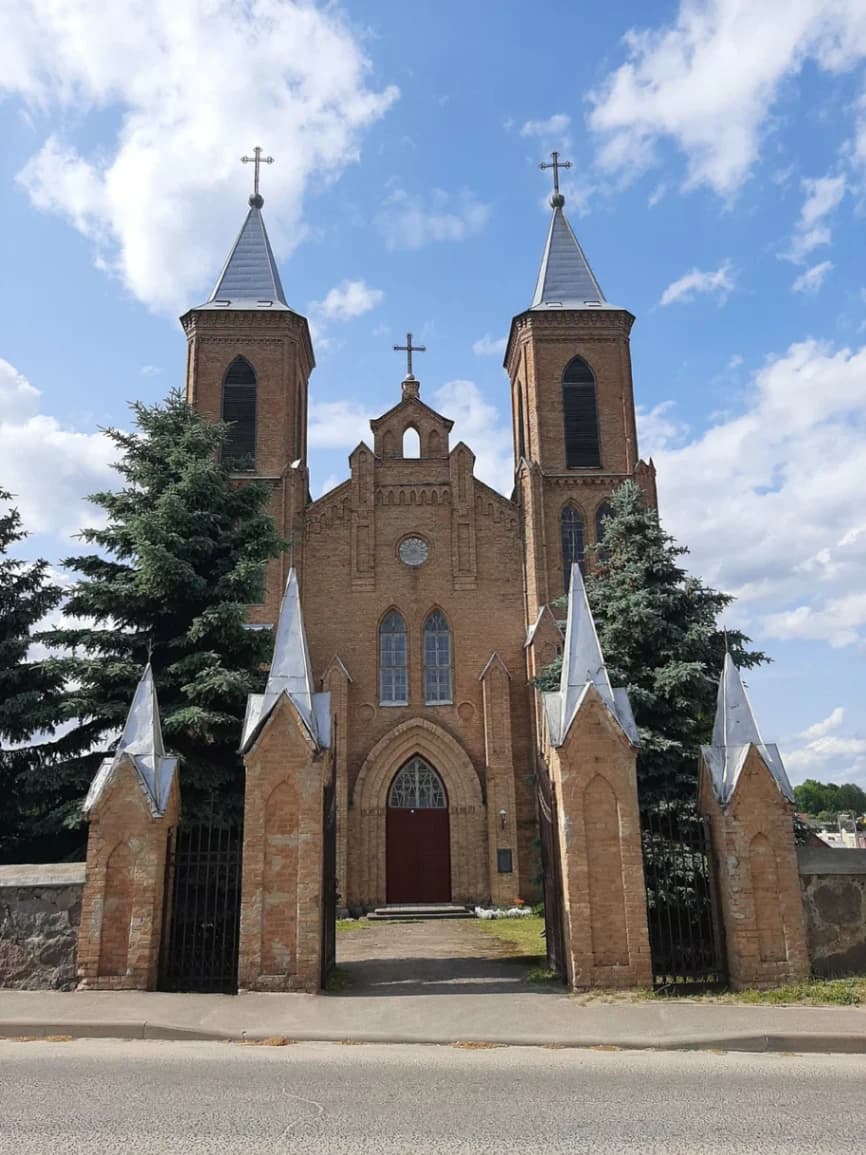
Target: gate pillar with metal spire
{"points": [[590, 746], [132, 804], [288, 892], [747, 798]]}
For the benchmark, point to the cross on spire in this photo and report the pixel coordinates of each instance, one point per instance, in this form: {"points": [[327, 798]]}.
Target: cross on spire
{"points": [[409, 349], [557, 200], [256, 200]]}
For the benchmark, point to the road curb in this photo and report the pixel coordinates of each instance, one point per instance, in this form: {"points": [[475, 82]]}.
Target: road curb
{"points": [[805, 1043]]}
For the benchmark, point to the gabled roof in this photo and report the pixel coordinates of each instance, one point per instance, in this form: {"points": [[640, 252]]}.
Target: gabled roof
{"points": [[249, 278], [290, 674], [583, 666], [565, 279], [141, 742], [735, 732]]}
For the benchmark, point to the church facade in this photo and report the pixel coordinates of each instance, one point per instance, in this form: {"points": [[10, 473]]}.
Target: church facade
{"points": [[424, 591]]}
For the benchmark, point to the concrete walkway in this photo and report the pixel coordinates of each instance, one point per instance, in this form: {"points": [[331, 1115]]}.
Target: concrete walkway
{"points": [[434, 983]]}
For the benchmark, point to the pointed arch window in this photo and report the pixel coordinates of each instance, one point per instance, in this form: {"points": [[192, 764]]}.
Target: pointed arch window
{"points": [[580, 416], [417, 787], [573, 535], [393, 661], [437, 660], [239, 413]]}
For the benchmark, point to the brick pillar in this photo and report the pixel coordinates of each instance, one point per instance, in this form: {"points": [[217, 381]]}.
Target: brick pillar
{"points": [[758, 877], [336, 682], [122, 904], [604, 899], [499, 766], [281, 898]]}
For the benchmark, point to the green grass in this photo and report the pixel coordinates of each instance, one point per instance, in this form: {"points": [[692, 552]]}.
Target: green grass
{"points": [[345, 925], [337, 982], [848, 992], [523, 935]]}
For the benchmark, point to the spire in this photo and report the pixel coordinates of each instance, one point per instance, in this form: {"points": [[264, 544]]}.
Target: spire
{"points": [[141, 742], [735, 732], [290, 674], [249, 278], [583, 666], [565, 279]]}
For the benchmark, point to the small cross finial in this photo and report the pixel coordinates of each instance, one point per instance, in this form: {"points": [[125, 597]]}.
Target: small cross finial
{"points": [[409, 349], [557, 200], [256, 200]]}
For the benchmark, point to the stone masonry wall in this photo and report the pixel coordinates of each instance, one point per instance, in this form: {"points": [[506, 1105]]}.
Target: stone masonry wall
{"points": [[40, 911], [833, 883]]}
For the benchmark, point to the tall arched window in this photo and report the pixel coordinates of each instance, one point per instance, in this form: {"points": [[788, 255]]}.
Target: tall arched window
{"points": [[239, 412], [393, 661], [437, 660], [521, 437], [580, 417], [573, 542], [603, 512]]}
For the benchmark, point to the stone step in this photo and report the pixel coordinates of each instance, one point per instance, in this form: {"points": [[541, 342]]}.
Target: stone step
{"points": [[395, 912]]}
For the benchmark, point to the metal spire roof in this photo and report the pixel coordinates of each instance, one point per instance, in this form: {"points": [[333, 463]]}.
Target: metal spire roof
{"points": [[290, 674], [735, 732], [249, 278], [141, 742], [565, 279], [583, 666]]}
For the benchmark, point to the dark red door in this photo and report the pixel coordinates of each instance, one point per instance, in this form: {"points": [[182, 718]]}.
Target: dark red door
{"points": [[418, 855]]}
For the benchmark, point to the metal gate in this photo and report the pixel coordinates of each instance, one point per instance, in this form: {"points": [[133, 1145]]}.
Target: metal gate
{"points": [[329, 880], [684, 929], [551, 870], [202, 910]]}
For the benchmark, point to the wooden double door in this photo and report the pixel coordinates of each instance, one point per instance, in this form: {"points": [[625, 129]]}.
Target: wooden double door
{"points": [[417, 843]]}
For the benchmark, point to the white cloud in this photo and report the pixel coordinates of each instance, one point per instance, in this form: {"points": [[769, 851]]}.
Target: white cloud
{"points": [[812, 279], [823, 196], [659, 429], [686, 288], [479, 424], [710, 79], [555, 126], [337, 424], [347, 300], [163, 199], [832, 722], [150, 370], [408, 222], [827, 758], [47, 467], [488, 346], [769, 499]]}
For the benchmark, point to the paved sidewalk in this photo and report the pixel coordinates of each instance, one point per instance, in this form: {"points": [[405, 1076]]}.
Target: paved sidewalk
{"points": [[443, 983]]}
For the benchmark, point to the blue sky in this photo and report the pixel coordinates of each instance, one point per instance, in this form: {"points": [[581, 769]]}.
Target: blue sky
{"points": [[719, 152]]}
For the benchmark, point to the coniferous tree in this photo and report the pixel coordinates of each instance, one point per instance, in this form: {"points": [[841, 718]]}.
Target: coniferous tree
{"points": [[29, 687], [659, 633], [180, 557]]}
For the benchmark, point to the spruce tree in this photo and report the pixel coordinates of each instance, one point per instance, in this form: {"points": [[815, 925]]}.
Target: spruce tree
{"points": [[29, 687], [659, 633], [180, 556]]}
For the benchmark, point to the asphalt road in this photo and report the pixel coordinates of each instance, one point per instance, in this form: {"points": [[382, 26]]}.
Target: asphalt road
{"points": [[146, 1097]]}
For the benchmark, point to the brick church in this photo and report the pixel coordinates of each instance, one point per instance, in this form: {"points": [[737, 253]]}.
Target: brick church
{"points": [[400, 753], [422, 588]]}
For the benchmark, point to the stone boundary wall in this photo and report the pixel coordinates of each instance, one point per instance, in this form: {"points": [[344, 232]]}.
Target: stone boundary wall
{"points": [[40, 910], [833, 883]]}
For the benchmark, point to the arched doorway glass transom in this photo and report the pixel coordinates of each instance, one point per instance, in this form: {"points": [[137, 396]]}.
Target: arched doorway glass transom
{"points": [[417, 844], [417, 787]]}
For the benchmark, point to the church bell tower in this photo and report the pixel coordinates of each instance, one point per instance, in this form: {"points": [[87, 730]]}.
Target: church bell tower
{"points": [[575, 438], [249, 359]]}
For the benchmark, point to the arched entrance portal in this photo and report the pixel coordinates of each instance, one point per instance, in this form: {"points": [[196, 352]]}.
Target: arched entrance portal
{"points": [[417, 842]]}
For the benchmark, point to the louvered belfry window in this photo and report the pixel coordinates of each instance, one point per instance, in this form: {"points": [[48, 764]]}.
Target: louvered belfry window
{"points": [[580, 416], [573, 542], [239, 413]]}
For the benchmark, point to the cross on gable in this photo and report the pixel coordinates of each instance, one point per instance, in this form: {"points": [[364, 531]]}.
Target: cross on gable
{"points": [[409, 349], [256, 200]]}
